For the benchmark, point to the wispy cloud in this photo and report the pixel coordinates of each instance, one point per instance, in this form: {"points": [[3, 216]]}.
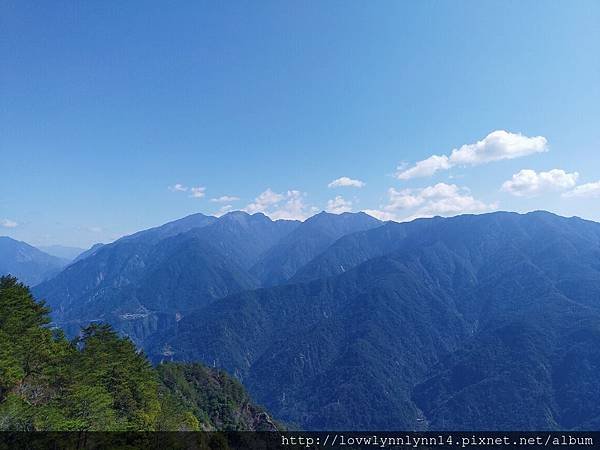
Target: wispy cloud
{"points": [[529, 183], [424, 168], [587, 190], [225, 199], [285, 205], [178, 188], [441, 199], [197, 192], [346, 182], [7, 223], [223, 210], [339, 205], [496, 146]]}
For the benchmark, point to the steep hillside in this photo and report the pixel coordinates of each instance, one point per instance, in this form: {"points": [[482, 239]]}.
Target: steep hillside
{"points": [[99, 382], [474, 322], [90, 251], [26, 262], [149, 280], [307, 241], [215, 398], [89, 289]]}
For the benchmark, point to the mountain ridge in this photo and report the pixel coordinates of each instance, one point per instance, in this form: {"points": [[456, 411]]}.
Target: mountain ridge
{"points": [[476, 281], [385, 326], [310, 238], [29, 263]]}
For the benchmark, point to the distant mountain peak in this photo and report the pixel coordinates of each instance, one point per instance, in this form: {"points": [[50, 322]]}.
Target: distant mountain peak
{"points": [[343, 220], [517, 295], [310, 238], [236, 213], [28, 263], [242, 218]]}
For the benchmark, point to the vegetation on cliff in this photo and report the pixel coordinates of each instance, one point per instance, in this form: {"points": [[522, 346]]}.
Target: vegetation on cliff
{"points": [[100, 382]]}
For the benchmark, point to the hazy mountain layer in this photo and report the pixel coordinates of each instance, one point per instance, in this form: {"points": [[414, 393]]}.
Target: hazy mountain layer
{"points": [[61, 251], [474, 322], [27, 262], [149, 280]]}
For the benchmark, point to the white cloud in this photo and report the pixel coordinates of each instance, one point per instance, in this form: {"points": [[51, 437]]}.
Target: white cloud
{"points": [[381, 215], [197, 192], [529, 183], [339, 205], [587, 190], [95, 229], [264, 201], [223, 210], [225, 199], [7, 223], [346, 182], [286, 205], [496, 146], [441, 199], [425, 168], [178, 188]]}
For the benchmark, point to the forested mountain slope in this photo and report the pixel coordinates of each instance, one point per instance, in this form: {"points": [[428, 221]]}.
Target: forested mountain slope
{"points": [[148, 281], [473, 322], [308, 240], [478, 321], [100, 382]]}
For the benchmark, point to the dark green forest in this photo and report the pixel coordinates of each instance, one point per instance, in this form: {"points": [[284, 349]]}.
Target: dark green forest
{"points": [[99, 381]]}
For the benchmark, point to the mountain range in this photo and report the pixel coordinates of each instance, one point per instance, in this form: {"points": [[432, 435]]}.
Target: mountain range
{"points": [[151, 279], [29, 264], [476, 322]]}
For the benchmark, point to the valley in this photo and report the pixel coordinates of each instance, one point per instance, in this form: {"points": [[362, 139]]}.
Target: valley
{"points": [[345, 322]]}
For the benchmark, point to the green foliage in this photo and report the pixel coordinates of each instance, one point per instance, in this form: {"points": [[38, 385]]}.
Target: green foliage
{"points": [[118, 373], [174, 415], [98, 382], [219, 401]]}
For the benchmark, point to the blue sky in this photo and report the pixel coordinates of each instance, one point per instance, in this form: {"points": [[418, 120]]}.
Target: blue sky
{"points": [[112, 113]]}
